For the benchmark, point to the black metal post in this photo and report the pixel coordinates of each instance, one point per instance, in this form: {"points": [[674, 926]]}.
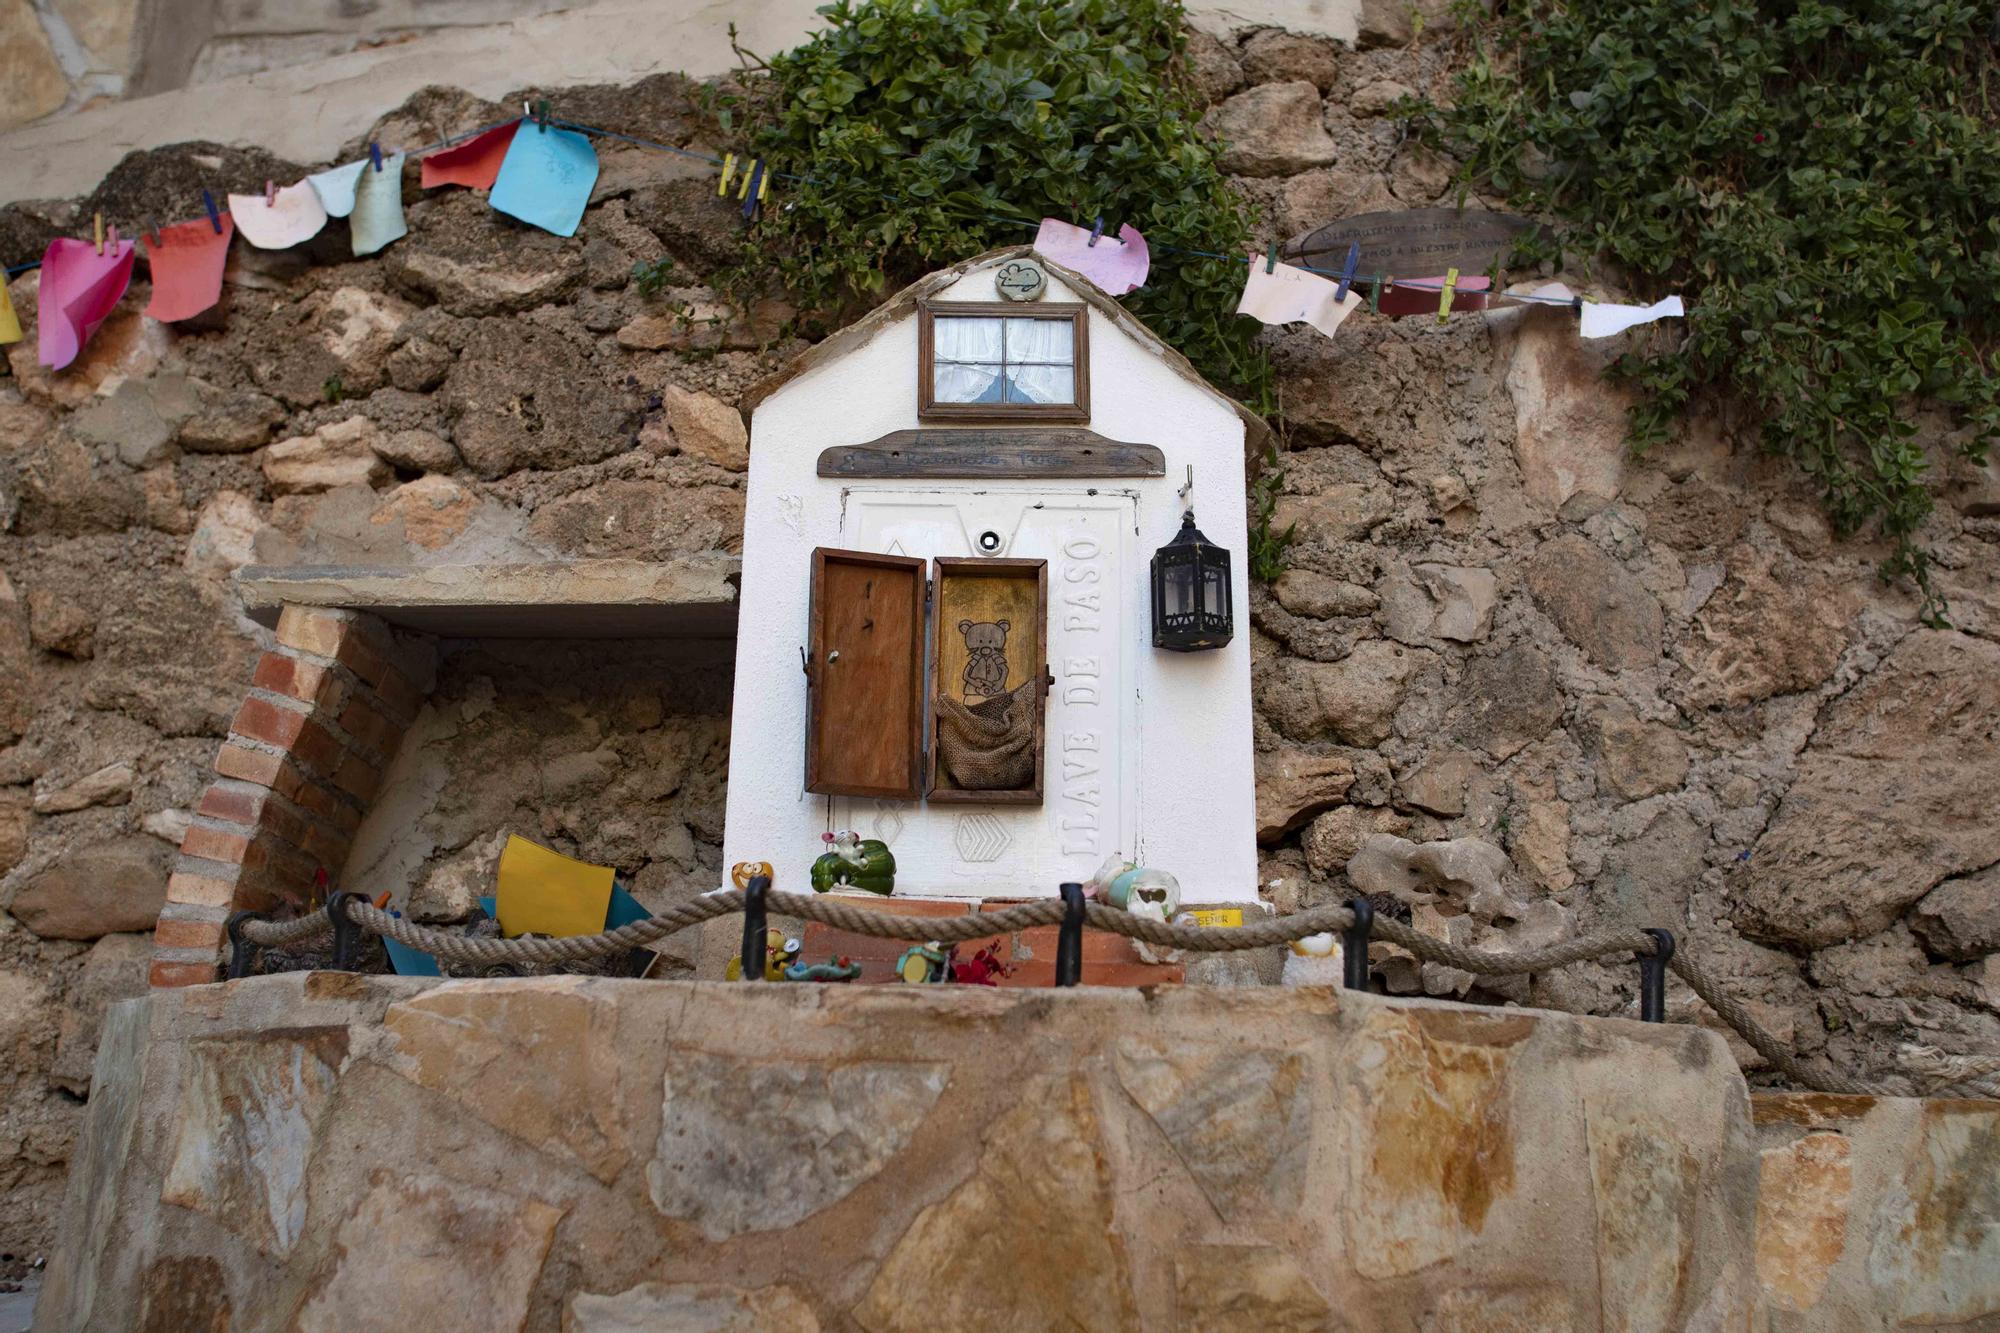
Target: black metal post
{"points": [[1069, 937], [1354, 945], [242, 953], [1653, 977], [754, 927], [346, 934]]}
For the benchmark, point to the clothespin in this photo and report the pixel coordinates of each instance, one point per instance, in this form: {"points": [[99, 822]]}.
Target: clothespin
{"points": [[375, 154], [152, 232], [1444, 297], [754, 186], [542, 115], [214, 218], [1271, 257], [1375, 294], [1347, 272], [270, 194], [97, 230], [728, 170], [1097, 229]]}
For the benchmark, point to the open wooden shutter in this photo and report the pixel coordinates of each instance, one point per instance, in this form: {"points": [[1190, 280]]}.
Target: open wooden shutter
{"points": [[991, 637], [865, 673]]}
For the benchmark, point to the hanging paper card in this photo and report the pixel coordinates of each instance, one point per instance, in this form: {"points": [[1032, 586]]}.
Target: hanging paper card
{"points": [[187, 264], [1287, 295], [10, 323], [378, 206], [1601, 321], [335, 187], [79, 289], [546, 179], [547, 893], [474, 163], [1420, 296], [1118, 265], [292, 215]]}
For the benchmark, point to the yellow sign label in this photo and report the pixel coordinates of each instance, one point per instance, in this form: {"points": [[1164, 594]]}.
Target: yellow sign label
{"points": [[1217, 916]]}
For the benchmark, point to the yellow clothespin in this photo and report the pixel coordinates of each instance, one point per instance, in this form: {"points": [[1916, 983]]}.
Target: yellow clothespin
{"points": [[97, 230], [748, 172], [1444, 297], [728, 170]]}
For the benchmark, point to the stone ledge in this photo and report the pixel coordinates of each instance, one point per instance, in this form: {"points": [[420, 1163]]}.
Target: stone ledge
{"points": [[688, 597]]}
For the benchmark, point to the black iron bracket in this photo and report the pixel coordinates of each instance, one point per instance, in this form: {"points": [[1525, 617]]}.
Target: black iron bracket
{"points": [[1069, 937], [346, 934], [1653, 976], [754, 927], [1354, 945], [242, 953]]}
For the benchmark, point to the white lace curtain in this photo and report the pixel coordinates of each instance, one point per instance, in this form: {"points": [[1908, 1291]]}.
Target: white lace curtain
{"points": [[999, 360]]}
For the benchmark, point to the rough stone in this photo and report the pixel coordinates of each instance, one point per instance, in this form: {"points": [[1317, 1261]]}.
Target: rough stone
{"points": [[1569, 423], [17, 701], [431, 510], [1600, 605], [1890, 799], [1378, 98], [1541, 844], [1639, 758], [1960, 918], [1338, 834], [1215, 70], [1341, 513], [1396, 22], [235, 423], [1353, 701], [1273, 55], [1507, 701], [705, 1305], [109, 785], [415, 451], [1650, 877], [1462, 600], [30, 73], [707, 428], [471, 267], [225, 536], [127, 346], [100, 889], [127, 421], [340, 454], [1304, 592], [61, 624], [1274, 129], [1465, 872], [1772, 628], [524, 396], [641, 520], [419, 365], [1439, 786], [1294, 784]]}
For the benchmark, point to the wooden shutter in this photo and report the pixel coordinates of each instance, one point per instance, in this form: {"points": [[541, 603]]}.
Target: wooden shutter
{"points": [[865, 675], [985, 592]]}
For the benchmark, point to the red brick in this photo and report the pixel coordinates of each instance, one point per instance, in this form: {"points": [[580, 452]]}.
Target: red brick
{"points": [[174, 934], [316, 749], [312, 630], [327, 848], [322, 804], [215, 845], [400, 699], [262, 720], [261, 767], [357, 777], [166, 975], [876, 955], [295, 678], [370, 727], [365, 661], [207, 890], [233, 804]]}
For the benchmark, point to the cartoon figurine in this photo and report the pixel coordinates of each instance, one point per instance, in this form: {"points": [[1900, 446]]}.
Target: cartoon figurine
{"points": [[855, 863], [1137, 889], [779, 954], [833, 969], [1313, 961], [743, 872], [983, 969], [924, 962], [986, 657]]}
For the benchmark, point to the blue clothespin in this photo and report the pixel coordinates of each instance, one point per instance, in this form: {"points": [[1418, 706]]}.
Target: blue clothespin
{"points": [[1271, 257], [753, 188], [214, 218], [1097, 229], [1347, 272], [375, 154]]}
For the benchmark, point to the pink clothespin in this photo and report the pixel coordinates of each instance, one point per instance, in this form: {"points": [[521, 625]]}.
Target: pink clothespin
{"points": [[270, 194]]}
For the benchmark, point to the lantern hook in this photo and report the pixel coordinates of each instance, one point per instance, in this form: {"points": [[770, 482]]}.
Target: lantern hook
{"points": [[1187, 487]]}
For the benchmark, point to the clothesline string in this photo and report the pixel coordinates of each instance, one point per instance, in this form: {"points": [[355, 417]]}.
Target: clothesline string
{"points": [[1389, 281]]}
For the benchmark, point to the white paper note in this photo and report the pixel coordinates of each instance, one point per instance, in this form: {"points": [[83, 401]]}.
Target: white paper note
{"points": [[1288, 295], [335, 187], [293, 215], [378, 206], [1601, 321]]}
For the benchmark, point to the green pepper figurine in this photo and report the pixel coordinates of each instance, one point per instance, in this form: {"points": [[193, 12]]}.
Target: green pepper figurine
{"points": [[855, 864]]}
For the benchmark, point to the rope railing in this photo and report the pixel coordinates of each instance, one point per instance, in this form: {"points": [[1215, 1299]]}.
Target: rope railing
{"points": [[348, 914]]}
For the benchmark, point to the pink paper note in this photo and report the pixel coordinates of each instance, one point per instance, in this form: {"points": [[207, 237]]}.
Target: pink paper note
{"points": [[1116, 264], [187, 267], [474, 163], [79, 289]]}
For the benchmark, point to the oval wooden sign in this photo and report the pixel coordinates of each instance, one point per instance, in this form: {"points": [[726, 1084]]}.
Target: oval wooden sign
{"points": [[1412, 242]]}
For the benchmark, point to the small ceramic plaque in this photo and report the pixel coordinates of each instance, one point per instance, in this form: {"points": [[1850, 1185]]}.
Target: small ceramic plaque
{"points": [[1021, 281]]}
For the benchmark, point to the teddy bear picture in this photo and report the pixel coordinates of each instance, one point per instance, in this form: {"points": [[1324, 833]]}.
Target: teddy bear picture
{"points": [[985, 672]]}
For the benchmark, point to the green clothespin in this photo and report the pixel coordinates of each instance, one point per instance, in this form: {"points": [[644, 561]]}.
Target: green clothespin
{"points": [[1271, 258], [1375, 294], [542, 115]]}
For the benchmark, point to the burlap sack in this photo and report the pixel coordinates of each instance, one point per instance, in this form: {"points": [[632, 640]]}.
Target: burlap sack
{"points": [[989, 746]]}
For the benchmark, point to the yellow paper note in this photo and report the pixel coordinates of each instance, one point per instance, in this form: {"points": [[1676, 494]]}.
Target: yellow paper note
{"points": [[1216, 916], [10, 323], [546, 893]]}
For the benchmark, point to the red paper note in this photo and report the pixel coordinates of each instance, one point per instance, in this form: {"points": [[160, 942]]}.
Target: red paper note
{"points": [[1420, 296], [474, 163], [187, 268], [79, 289]]}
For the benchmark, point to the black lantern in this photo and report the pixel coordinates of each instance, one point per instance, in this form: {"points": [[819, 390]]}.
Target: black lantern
{"points": [[1191, 598]]}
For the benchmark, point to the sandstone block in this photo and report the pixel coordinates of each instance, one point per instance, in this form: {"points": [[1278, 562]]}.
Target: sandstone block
{"points": [[30, 74], [341, 454], [1294, 784], [1353, 701], [1319, 596], [1640, 759], [1960, 918], [707, 428], [1344, 512], [1507, 702], [101, 889], [1569, 424], [1599, 604], [1274, 129]]}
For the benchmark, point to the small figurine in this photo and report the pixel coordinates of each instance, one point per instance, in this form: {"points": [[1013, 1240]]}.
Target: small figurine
{"points": [[983, 969], [855, 863], [743, 872], [1313, 961], [1137, 889], [924, 963], [833, 969], [779, 954]]}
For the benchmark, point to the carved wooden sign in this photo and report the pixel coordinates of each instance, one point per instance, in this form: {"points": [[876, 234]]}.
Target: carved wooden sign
{"points": [[1412, 242], [1043, 452]]}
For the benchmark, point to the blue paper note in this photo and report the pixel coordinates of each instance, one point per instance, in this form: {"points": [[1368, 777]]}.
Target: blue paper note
{"points": [[335, 187], [378, 206], [546, 179]]}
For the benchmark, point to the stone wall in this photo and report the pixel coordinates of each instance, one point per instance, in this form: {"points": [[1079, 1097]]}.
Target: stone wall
{"points": [[1659, 688], [330, 1151]]}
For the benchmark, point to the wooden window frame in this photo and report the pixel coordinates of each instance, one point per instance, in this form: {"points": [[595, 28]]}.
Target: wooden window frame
{"points": [[929, 409]]}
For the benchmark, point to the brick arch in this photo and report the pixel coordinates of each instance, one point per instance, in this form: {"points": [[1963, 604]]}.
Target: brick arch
{"points": [[326, 710]]}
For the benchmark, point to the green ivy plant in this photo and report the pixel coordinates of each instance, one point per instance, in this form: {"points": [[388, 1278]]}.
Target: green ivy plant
{"points": [[1822, 180], [931, 130]]}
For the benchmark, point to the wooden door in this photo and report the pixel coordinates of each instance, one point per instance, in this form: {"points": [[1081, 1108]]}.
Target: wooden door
{"points": [[865, 675]]}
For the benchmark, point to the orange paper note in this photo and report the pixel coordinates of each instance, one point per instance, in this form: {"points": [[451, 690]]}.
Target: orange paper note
{"points": [[187, 268], [79, 289], [546, 893], [473, 163]]}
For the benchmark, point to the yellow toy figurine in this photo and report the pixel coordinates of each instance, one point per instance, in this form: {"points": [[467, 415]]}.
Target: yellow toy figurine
{"points": [[743, 872], [779, 954]]}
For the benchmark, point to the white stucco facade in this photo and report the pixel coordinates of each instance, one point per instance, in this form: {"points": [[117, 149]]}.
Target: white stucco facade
{"points": [[1148, 751]]}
